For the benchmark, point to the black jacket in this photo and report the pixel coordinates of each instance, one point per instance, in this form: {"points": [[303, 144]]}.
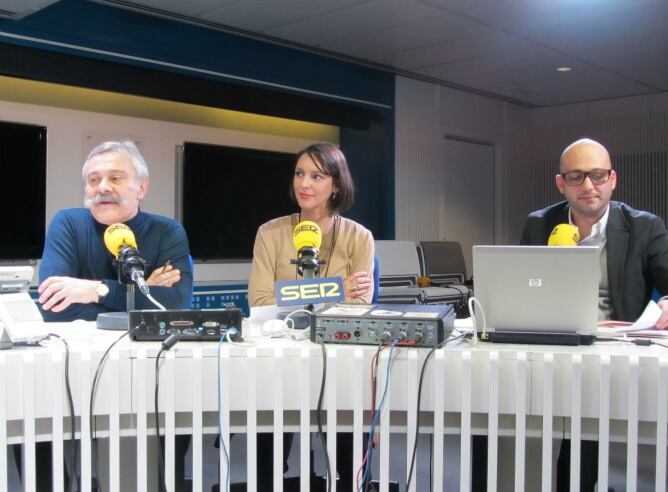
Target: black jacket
{"points": [[637, 249]]}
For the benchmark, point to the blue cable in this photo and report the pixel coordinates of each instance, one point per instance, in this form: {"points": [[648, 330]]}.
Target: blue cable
{"points": [[367, 465], [220, 422]]}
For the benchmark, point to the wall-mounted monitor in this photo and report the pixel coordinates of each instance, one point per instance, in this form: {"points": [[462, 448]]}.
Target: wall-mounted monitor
{"points": [[23, 194], [227, 193]]}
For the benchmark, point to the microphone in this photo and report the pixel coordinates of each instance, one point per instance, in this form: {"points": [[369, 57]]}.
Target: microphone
{"points": [[307, 238], [120, 241], [564, 235]]}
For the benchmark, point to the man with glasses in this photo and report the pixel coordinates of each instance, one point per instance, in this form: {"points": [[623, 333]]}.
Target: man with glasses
{"points": [[634, 255]]}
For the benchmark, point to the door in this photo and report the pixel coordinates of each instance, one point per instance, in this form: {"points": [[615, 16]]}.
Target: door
{"points": [[467, 198]]}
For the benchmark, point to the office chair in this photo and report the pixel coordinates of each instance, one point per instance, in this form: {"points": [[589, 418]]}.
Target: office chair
{"points": [[443, 263], [376, 279]]}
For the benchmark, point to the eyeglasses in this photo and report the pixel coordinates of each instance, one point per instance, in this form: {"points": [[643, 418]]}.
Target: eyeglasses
{"points": [[597, 177]]}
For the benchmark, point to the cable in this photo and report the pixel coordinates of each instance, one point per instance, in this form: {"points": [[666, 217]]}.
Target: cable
{"points": [[471, 301], [291, 331], [431, 462], [365, 477], [70, 403], [417, 423], [166, 345], [220, 421], [92, 399], [459, 307], [161, 464], [321, 435], [233, 337], [96, 378], [73, 422], [277, 328], [641, 342], [374, 367], [156, 303], [419, 396]]}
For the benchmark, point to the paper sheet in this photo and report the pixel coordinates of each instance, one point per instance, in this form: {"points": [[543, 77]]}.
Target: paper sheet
{"points": [[644, 326]]}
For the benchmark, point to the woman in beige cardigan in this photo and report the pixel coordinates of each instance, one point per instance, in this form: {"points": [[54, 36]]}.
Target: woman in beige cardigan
{"points": [[323, 188]]}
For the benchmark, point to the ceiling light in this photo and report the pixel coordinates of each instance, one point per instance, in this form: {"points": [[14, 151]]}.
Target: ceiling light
{"points": [[564, 69]]}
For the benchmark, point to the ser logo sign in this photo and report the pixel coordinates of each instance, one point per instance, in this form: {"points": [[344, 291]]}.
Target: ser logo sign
{"points": [[312, 291]]}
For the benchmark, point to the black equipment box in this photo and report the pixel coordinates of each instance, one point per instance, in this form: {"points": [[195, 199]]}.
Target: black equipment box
{"points": [[421, 325], [197, 325]]}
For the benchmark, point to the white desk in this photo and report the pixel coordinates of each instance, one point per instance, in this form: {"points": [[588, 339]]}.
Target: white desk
{"points": [[609, 392]]}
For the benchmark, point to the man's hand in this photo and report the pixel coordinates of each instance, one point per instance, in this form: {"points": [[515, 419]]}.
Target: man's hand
{"points": [[662, 323], [57, 293], [164, 276]]}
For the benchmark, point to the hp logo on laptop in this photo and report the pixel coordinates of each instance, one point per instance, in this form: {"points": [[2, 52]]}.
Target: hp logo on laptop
{"points": [[535, 282]]}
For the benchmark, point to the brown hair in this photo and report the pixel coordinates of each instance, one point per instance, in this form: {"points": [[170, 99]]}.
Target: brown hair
{"points": [[329, 159]]}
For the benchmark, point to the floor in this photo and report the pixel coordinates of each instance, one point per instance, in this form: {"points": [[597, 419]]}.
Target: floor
{"points": [[398, 464]]}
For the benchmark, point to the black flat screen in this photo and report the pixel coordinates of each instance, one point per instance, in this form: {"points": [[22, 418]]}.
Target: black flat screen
{"points": [[23, 190], [228, 192]]}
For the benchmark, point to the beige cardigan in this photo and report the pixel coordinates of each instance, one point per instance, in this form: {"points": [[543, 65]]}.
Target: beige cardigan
{"points": [[273, 250]]}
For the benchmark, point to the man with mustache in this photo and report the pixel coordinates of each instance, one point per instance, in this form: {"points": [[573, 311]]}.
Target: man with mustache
{"points": [[78, 279], [634, 256]]}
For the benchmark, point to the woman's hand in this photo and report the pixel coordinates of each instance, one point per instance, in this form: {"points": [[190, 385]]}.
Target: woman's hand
{"points": [[356, 285]]}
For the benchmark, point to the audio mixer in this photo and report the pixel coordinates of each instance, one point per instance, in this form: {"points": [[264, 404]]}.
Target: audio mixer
{"points": [[422, 325]]}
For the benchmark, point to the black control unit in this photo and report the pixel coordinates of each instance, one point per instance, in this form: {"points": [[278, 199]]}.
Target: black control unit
{"points": [[420, 325], [197, 325]]}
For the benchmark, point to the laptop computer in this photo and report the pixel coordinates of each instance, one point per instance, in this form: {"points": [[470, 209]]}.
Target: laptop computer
{"points": [[537, 294]]}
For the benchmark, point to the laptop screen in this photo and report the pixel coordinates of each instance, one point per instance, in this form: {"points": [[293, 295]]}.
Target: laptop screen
{"points": [[538, 288]]}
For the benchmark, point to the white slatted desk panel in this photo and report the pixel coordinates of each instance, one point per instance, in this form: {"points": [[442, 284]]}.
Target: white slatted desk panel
{"points": [[501, 390]]}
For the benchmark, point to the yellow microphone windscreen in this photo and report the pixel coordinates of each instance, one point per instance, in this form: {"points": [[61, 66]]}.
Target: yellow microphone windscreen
{"points": [[307, 235], [118, 235], [564, 235]]}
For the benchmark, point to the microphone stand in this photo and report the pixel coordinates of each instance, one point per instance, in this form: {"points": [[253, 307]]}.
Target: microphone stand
{"points": [[308, 266], [130, 297], [119, 320]]}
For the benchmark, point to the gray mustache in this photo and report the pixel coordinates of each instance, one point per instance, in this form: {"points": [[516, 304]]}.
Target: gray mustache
{"points": [[103, 197]]}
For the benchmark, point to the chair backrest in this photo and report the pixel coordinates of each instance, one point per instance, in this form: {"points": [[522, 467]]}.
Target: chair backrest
{"points": [[443, 259], [401, 265], [192, 289], [656, 295]]}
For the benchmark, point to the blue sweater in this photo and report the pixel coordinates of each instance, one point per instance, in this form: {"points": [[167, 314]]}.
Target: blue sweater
{"points": [[74, 247]]}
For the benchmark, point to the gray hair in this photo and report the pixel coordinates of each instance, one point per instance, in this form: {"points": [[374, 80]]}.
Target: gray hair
{"points": [[127, 148]]}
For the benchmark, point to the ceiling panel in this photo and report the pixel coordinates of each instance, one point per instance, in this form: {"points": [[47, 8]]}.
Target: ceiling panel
{"points": [[17, 9], [508, 48], [191, 8], [483, 43], [353, 21], [385, 45], [262, 16]]}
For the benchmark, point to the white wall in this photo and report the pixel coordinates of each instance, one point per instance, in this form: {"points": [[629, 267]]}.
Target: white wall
{"points": [[627, 124], [528, 144], [426, 112], [69, 137], [635, 131]]}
